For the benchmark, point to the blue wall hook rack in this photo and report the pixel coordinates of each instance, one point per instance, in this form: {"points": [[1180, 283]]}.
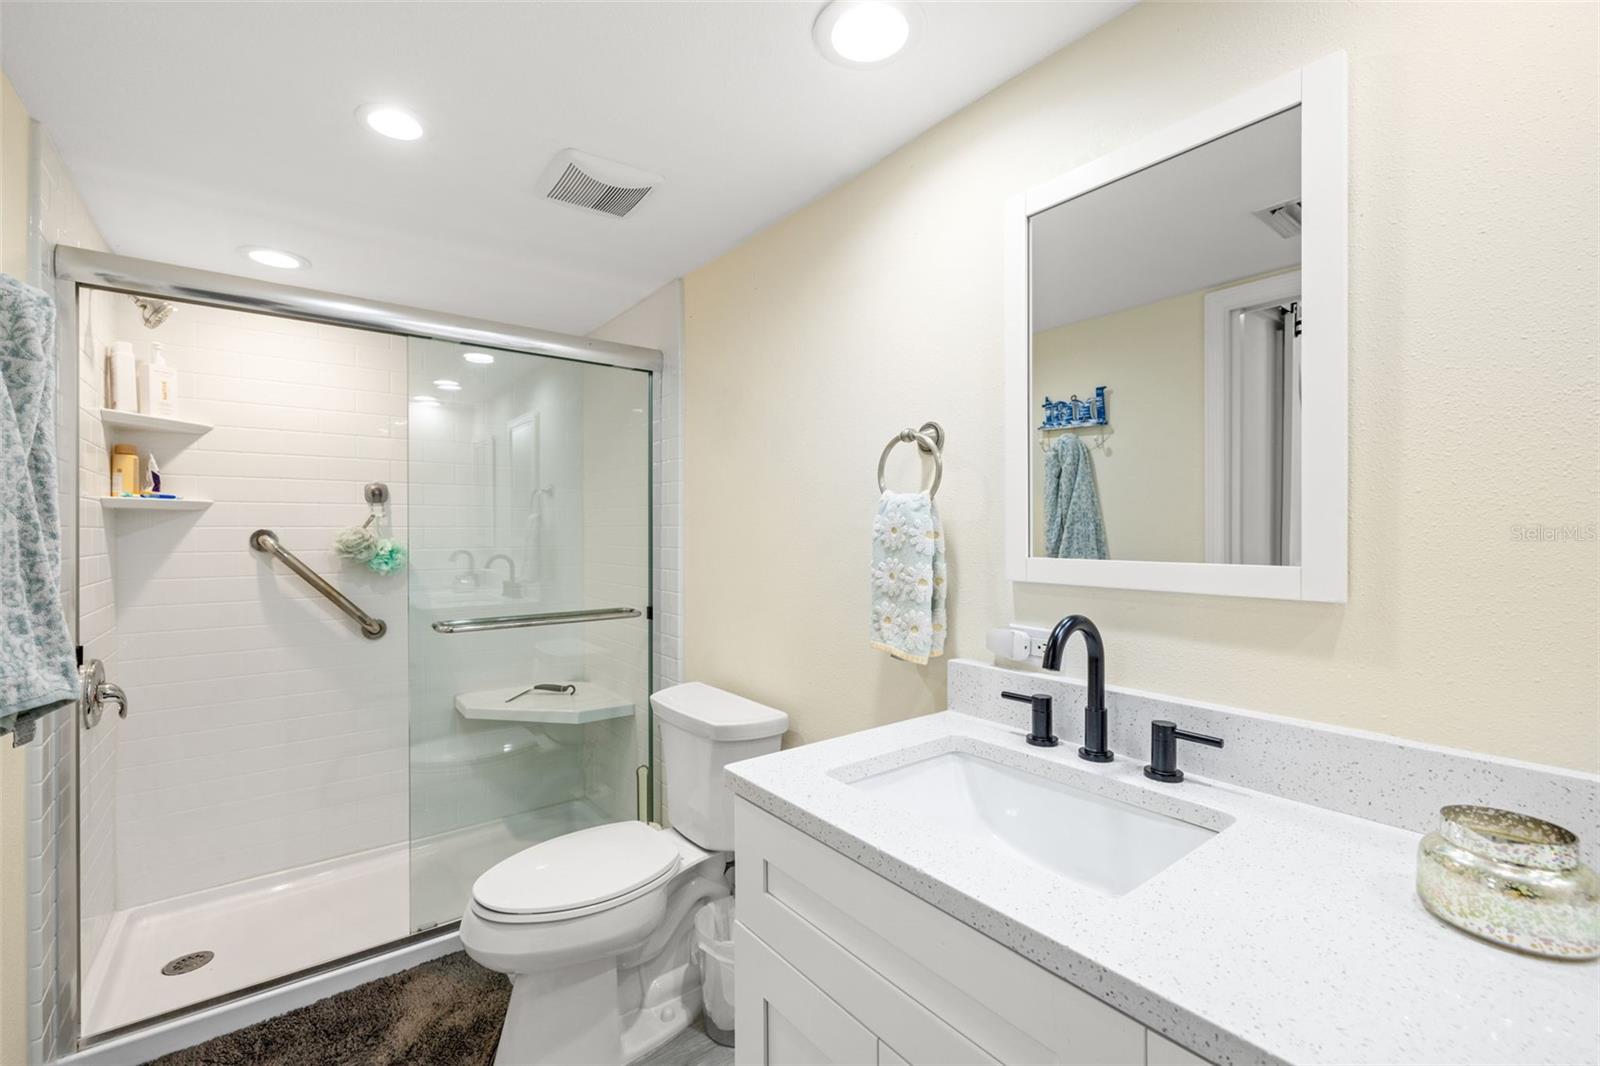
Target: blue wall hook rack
{"points": [[1073, 413]]}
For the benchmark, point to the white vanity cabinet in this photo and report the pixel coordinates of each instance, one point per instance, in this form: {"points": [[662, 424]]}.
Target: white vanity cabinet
{"points": [[839, 965]]}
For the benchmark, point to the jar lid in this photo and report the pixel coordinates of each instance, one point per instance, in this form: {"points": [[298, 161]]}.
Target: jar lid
{"points": [[1506, 836]]}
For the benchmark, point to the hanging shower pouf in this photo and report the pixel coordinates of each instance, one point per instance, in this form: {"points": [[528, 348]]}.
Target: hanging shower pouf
{"points": [[367, 544]]}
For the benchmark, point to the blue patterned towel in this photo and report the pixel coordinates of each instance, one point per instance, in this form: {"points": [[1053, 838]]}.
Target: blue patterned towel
{"points": [[908, 578], [36, 660], [1073, 527]]}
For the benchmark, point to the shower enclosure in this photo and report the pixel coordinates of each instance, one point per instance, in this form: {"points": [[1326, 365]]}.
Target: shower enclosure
{"points": [[323, 747]]}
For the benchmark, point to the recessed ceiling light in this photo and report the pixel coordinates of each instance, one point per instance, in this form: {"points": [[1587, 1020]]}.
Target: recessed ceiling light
{"points": [[447, 385], [392, 122], [272, 257], [481, 358], [864, 33], [425, 401]]}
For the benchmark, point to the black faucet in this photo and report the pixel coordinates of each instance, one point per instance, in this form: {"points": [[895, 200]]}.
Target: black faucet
{"points": [[1094, 711], [1164, 737], [1043, 735]]}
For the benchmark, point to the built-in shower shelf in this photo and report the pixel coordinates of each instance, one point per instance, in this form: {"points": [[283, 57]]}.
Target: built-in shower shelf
{"points": [[159, 423], [590, 703], [143, 503]]}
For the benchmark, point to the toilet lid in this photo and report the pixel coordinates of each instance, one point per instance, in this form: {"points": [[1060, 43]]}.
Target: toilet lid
{"points": [[578, 870]]}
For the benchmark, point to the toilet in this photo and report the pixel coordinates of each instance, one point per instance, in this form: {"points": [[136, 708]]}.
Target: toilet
{"points": [[594, 927]]}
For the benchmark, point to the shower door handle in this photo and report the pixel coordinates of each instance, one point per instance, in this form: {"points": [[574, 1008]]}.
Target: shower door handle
{"points": [[94, 692]]}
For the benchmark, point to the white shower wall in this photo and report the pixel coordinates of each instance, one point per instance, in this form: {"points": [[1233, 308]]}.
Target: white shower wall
{"points": [[265, 732]]}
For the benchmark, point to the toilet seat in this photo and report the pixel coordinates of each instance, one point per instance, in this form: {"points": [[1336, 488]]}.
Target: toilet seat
{"points": [[577, 874]]}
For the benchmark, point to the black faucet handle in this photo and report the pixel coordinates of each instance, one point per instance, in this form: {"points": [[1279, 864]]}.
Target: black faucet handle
{"points": [[1164, 737], [1042, 736]]}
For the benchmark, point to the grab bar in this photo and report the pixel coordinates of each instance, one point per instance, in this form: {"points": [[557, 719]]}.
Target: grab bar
{"points": [[524, 621], [265, 540]]}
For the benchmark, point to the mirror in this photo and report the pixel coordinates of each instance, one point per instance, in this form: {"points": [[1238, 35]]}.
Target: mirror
{"points": [[1143, 291], [1176, 403]]}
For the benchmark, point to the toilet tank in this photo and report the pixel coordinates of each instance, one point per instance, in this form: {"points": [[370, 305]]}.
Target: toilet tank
{"points": [[703, 729]]}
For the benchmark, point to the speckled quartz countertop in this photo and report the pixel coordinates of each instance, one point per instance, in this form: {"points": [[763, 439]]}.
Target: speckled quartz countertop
{"points": [[1294, 935]]}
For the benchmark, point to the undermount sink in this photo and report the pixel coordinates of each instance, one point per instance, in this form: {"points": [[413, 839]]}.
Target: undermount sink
{"points": [[1101, 842]]}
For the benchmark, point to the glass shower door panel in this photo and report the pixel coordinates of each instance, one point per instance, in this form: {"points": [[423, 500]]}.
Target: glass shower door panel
{"points": [[530, 498]]}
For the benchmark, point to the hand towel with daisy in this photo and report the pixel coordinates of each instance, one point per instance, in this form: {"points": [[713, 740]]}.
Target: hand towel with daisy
{"points": [[908, 578]]}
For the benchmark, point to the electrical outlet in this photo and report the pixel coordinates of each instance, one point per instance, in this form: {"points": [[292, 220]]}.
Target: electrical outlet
{"points": [[1019, 643], [1036, 639]]}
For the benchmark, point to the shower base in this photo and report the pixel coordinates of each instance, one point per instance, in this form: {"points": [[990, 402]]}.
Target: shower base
{"points": [[268, 927]]}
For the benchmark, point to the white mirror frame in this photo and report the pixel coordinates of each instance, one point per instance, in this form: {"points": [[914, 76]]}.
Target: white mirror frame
{"points": [[1320, 91]]}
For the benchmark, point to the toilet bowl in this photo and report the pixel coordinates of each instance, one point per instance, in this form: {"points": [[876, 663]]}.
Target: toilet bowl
{"points": [[594, 927]]}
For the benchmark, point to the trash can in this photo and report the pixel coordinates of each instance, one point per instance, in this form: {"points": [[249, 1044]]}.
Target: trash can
{"points": [[713, 953]]}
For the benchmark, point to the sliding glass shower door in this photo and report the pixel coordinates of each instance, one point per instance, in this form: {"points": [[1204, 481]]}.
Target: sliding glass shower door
{"points": [[324, 746], [529, 520]]}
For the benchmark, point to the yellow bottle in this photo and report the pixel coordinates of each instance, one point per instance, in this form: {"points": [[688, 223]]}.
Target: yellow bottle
{"points": [[124, 470]]}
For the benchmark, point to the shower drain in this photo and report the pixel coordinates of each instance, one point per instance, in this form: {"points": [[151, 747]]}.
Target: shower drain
{"points": [[187, 963]]}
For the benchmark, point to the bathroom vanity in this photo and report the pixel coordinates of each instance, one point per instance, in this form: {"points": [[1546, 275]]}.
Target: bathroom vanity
{"points": [[840, 965], [938, 891]]}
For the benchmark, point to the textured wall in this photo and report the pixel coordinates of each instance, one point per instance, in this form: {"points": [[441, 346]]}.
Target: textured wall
{"points": [[1473, 280]]}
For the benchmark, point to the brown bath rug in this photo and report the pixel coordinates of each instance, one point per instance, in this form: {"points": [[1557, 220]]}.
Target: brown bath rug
{"points": [[443, 1013]]}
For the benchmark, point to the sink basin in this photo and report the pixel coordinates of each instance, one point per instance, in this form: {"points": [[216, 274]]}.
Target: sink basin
{"points": [[1100, 842]]}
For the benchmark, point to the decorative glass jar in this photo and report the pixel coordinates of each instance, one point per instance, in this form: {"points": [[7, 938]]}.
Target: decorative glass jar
{"points": [[1512, 879]]}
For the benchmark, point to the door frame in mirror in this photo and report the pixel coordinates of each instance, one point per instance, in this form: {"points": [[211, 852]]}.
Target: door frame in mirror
{"points": [[1320, 90]]}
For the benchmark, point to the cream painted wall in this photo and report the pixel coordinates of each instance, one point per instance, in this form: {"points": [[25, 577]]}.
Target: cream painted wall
{"points": [[13, 766], [1149, 474], [1473, 275]]}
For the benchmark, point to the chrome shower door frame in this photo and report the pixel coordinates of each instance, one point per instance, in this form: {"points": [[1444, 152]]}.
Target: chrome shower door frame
{"points": [[77, 268]]}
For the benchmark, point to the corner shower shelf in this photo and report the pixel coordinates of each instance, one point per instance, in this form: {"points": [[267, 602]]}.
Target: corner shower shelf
{"points": [[140, 503], [590, 703], [160, 423]]}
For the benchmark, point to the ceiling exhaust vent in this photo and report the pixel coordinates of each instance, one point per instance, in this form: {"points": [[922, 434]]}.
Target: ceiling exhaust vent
{"points": [[596, 184], [1284, 218]]}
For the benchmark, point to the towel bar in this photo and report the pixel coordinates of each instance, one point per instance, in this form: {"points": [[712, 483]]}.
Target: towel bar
{"points": [[524, 621]]}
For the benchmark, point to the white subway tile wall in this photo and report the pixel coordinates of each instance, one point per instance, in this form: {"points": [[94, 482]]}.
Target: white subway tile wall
{"points": [[266, 731]]}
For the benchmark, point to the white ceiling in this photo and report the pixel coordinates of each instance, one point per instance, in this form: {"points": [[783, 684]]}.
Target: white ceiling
{"points": [[194, 128], [1182, 225]]}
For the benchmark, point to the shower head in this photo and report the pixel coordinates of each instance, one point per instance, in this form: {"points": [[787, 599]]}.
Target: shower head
{"points": [[154, 312]]}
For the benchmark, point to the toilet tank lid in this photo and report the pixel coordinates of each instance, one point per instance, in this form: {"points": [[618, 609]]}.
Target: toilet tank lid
{"points": [[710, 712]]}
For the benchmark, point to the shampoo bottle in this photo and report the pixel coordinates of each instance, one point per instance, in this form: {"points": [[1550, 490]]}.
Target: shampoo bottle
{"points": [[120, 386], [158, 385]]}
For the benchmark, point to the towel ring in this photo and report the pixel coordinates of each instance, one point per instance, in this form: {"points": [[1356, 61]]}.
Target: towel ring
{"points": [[930, 438]]}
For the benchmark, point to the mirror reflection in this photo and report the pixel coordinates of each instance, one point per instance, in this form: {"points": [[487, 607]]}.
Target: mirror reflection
{"points": [[1165, 368]]}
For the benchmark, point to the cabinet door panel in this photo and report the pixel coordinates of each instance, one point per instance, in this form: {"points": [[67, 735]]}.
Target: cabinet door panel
{"points": [[784, 1020]]}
